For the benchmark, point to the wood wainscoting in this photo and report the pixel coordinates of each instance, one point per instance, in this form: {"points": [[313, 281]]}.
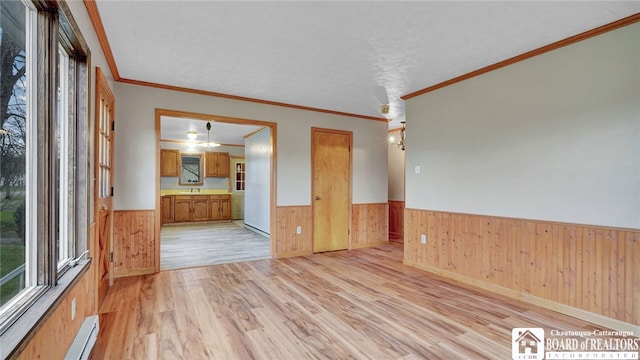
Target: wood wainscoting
{"points": [[53, 339], [396, 221], [134, 242], [288, 242], [589, 272], [369, 225]]}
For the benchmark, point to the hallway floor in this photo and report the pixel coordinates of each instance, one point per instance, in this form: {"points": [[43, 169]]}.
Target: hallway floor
{"points": [[184, 246]]}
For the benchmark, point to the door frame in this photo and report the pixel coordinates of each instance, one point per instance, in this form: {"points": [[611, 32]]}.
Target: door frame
{"points": [[102, 90], [313, 152], [223, 119]]}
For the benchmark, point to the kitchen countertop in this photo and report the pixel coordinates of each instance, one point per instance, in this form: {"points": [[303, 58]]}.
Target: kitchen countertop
{"points": [[188, 192]]}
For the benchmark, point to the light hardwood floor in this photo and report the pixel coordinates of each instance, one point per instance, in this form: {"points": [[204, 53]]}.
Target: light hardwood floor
{"points": [[189, 245], [358, 304]]}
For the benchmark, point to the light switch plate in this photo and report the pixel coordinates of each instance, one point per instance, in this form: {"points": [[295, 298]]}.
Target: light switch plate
{"points": [[417, 169]]}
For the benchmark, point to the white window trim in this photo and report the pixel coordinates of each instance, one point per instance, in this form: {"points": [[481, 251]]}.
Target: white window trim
{"points": [[65, 252]]}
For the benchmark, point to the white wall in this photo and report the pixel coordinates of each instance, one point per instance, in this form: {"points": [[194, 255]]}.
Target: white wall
{"points": [[396, 170], [135, 144], [555, 137], [257, 195]]}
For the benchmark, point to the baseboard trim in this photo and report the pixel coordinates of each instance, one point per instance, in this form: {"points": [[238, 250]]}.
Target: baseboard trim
{"points": [[368, 245], [530, 299], [136, 272], [294, 254]]}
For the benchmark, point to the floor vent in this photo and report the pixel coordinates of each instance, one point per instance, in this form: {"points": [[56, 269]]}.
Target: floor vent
{"points": [[85, 339]]}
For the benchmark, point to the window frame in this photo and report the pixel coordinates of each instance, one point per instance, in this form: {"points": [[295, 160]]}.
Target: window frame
{"points": [[52, 27]]}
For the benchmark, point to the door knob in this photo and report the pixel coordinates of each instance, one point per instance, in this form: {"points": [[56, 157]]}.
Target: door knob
{"points": [[317, 197]]}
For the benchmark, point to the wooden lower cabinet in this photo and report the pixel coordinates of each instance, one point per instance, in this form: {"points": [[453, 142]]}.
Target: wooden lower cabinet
{"points": [[220, 207], [191, 208], [166, 203], [200, 209], [182, 208]]}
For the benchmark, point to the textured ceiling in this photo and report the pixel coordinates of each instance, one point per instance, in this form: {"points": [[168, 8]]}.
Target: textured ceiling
{"points": [[349, 56]]}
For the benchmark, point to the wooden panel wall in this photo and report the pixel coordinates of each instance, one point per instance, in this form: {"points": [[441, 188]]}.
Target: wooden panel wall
{"points": [[54, 338], [591, 268], [396, 221], [134, 242], [369, 225], [287, 242]]}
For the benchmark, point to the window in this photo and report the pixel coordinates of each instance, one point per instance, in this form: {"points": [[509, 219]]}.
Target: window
{"points": [[239, 180], [43, 151], [17, 84]]}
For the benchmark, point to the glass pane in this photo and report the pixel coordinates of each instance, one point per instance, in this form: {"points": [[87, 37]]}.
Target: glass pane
{"points": [[13, 147], [62, 146]]}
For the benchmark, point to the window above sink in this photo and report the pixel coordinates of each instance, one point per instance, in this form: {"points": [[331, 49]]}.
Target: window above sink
{"points": [[190, 169]]}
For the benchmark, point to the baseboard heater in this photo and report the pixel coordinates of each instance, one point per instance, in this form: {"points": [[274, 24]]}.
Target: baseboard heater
{"points": [[85, 339], [257, 231]]}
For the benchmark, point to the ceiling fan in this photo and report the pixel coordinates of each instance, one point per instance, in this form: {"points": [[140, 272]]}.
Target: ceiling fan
{"points": [[209, 144]]}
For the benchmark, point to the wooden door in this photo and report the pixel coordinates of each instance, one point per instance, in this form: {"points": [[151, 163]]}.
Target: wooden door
{"points": [[225, 209], [223, 164], [214, 209], [103, 188], [331, 191], [166, 209], [169, 160], [200, 209], [181, 209], [210, 164]]}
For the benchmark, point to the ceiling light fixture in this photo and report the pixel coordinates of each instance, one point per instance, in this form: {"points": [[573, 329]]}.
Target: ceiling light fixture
{"points": [[192, 135], [402, 143], [209, 144]]}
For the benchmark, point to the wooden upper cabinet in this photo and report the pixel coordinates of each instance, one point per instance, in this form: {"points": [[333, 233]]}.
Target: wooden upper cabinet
{"points": [[169, 162], [216, 164]]}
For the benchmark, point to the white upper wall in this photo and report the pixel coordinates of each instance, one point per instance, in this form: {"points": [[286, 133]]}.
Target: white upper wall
{"points": [[135, 148], [257, 195], [396, 170], [555, 137]]}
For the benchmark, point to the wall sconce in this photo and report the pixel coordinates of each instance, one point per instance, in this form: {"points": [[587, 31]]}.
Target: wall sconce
{"points": [[402, 143]]}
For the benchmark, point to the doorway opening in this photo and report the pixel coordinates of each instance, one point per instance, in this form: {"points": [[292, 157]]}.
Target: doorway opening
{"points": [[216, 206]]}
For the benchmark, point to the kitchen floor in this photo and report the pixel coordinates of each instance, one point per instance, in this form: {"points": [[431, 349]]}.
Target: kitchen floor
{"points": [[191, 245]]}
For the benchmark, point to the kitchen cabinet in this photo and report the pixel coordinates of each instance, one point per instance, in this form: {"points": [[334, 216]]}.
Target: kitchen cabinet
{"points": [[216, 164], [192, 208], [169, 162], [166, 209], [220, 207], [189, 208]]}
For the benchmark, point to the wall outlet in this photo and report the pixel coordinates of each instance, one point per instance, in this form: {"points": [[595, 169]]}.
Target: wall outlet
{"points": [[298, 230], [73, 309], [423, 238]]}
